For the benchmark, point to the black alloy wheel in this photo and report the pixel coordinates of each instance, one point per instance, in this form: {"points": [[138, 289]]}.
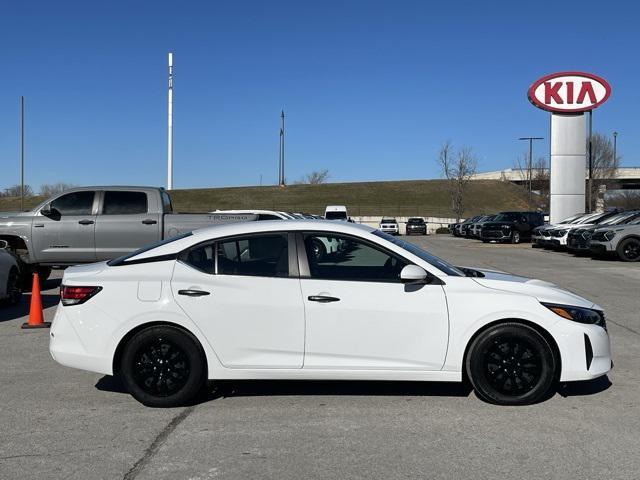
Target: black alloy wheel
{"points": [[511, 364], [163, 366], [318, 250], [515, 237], [629, 250]]}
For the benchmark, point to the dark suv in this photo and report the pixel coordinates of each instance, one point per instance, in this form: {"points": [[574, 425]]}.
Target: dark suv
{"points": [[511, 227], [416, 225]]}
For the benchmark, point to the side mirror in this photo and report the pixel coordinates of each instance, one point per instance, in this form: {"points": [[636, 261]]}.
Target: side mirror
{"points": [[49, 211], [413, 274], [4, 244]]}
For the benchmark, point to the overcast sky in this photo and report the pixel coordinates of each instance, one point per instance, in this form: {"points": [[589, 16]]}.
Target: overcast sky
{"points": [[371, 89]]}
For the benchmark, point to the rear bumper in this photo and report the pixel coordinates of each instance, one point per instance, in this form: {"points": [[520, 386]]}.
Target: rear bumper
{"points": [[66, 347]]}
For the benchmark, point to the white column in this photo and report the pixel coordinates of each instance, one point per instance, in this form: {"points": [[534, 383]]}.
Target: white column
{"points": [[170, 126], [568, 167]]}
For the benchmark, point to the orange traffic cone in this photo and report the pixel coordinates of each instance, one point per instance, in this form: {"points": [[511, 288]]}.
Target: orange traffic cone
{"points": [[36, 317]]}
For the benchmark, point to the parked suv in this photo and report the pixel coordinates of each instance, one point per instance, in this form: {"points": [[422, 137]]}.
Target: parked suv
{"points": [[389, 225], [559, 234], [623, 240], [476, 227], [579, 238], [416, 225], [541, 236], [511, 227]]}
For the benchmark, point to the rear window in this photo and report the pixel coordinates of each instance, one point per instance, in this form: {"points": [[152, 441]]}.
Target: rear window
{"points": [[124, 259], [335, 215], [124, 203]]}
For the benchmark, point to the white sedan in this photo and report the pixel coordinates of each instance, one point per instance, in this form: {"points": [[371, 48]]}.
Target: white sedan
{"points": [[10, 290], [252, 301]]}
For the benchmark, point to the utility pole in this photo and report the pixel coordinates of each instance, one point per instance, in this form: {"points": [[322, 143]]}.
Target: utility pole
{"points": [[170, 126], [530, 162], [22, 153], [615, 144]]}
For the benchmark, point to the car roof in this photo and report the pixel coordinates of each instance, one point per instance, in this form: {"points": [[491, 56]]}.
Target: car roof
{"points": [[243, 228]]}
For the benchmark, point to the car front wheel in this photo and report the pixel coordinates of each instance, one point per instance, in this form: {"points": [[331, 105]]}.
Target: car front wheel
{"points": [[515, 237], [163, 366], [511, 364], [629, 250]]}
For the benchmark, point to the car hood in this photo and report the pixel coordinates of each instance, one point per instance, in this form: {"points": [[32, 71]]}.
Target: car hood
{"points": [[543, 291]]}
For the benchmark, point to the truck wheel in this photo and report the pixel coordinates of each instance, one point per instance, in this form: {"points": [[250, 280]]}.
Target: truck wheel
{"points": [[629, 250]]}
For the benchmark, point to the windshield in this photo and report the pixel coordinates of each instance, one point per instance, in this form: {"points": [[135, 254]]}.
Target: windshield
{"points": [[335, 215], [572, 219], [506, 217], [620, 218], [121, 260], [388, 220], [416, 220], [426, 256]]}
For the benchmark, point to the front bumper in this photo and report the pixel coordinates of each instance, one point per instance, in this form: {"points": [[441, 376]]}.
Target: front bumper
{"points": [[495, 235], [420, 230], [585, 352], [392, 231], [601, 248]]}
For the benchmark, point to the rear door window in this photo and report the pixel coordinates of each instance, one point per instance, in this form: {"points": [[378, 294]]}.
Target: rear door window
{"points": [[257, 255], [124, 203]]}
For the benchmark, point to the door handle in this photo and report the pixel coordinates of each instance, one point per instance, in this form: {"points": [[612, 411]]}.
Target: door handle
{"points": [[149, 222], [193, 293], [86, 222], [38, 225], [322, 299]]}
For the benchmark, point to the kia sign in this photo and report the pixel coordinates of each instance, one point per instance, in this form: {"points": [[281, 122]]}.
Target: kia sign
{"points": [[569, 92]]}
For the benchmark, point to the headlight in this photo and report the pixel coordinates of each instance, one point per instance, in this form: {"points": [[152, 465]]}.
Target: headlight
{"points": [[609, 235], [578, 314]]}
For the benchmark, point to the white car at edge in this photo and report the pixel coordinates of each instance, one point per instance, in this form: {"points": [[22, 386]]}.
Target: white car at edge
{"points": [[251, 301]]}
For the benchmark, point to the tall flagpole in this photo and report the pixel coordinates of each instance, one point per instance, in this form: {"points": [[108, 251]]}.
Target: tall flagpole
{"points": [[170, 126]]}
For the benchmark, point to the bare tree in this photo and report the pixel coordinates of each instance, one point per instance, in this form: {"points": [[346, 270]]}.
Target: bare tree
{"points": [[625, 199], [51, 189], [15, 190], [540, 182], [604, 165], [458, 168], [315, 178]]}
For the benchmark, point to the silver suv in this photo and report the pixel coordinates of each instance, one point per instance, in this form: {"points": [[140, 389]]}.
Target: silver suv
{"points": [[623, 240]]}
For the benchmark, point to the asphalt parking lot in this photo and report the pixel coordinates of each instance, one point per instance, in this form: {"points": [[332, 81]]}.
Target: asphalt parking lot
{"points": [[62, 423]]}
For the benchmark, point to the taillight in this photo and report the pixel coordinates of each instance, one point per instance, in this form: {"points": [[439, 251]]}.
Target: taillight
{"points": [[76, 295]]}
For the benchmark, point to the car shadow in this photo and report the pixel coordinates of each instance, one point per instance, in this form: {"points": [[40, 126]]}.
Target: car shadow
{"points": [[584, 388], [262, 388]]}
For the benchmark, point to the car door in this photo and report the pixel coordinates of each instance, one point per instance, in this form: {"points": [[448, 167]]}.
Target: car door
{"points": [[125, 224], [360, 316], [66, 234], [243, 293]]}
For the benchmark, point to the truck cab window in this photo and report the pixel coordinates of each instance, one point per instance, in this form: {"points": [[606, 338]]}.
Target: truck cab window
{"points": [[75, 203], [124, 203]]}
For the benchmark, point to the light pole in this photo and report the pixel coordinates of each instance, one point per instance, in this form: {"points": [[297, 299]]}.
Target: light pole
{"points": [[170, 126], [530, 163], [615, 144], [22, 153]]}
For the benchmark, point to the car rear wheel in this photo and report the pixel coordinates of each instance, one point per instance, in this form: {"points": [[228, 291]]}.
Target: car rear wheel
{"points": [[511, 364], [163, 366], [629, 250]]}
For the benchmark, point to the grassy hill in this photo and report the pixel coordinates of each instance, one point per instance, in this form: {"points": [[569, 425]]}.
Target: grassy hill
{"points": [[400, 198]]}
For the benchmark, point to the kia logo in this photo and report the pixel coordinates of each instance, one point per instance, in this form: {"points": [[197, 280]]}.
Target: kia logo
{"points": [[569, 92]]}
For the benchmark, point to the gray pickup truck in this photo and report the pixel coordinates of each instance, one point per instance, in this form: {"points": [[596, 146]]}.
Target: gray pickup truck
{"points": [[91, 224]]}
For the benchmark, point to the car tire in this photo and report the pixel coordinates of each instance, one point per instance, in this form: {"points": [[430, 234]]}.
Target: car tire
{"points": [[13, 288], [515, 237], [318, 250], [163, 366], [495, 365], [628, 250]]}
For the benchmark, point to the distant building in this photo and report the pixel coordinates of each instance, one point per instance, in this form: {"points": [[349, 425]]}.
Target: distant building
{"points": [[626, 177]]}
